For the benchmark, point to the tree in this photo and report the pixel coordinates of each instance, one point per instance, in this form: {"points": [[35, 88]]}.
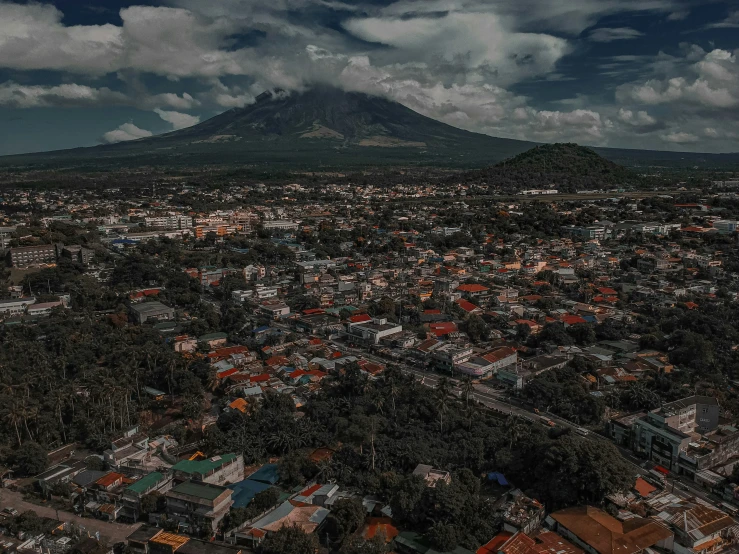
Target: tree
{"points": [[289, 540], [152, 503], [443, 537], [405, 501], [357, 545], [346, 517], [476, 328], [30, 458]]}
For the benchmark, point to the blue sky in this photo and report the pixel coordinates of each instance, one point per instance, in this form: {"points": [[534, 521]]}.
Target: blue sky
{"points": [[660, 74]]}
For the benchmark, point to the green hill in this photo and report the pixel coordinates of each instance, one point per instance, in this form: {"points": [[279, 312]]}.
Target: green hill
{"points": [[567, 167]]}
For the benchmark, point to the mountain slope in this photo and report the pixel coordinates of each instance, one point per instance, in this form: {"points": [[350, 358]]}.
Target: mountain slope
{"points": [[567, 167], [322, 127], [326, 129]]}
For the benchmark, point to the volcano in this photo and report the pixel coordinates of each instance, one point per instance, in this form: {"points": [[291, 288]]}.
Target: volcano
{"points": [[326, 128], [321, 127]]}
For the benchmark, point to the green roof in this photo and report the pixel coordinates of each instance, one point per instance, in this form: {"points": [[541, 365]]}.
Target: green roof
{"points": [[145, 483], [213, 336], [203, 466], [200, 490]]}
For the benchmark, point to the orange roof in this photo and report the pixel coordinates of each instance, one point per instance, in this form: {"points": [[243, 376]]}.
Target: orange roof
{"points": [[380, 526], [495, 543], [239, 404], [467, 306], [109, 479], [472, 287], [643, 488]]}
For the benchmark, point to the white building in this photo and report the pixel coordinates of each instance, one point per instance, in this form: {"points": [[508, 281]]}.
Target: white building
{"points": [[372, 332]]}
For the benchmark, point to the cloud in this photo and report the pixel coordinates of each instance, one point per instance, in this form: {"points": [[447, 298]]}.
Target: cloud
{"points": [[14, 95], [32, 36], [678, 15], [470, 42], [126, 132], [71, 95], [731, 22], [710, 83], [178, 120], [680, 138], [610, 34]]}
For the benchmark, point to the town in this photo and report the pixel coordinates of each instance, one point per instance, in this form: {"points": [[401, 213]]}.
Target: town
{"points": [[364, 367]]}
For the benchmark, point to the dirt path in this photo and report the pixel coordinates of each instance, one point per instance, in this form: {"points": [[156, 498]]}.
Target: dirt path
{"points": [[109, 532]]}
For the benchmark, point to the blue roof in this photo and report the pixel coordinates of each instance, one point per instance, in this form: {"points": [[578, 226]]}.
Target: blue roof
{"points": [[499, 477], [124, 241], [266, 474], [590, 318], [261, 329], [245, 491]]}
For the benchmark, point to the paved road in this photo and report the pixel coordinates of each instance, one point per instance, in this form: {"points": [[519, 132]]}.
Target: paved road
{"points": [[496, 400], [109, 532]]}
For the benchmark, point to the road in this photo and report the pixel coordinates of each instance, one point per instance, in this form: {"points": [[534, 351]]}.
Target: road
{"points": [[109, 532], [496, 400]]}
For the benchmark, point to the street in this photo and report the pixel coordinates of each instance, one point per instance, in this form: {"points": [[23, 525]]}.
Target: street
{"points": [[109, 532], [496, 400]]}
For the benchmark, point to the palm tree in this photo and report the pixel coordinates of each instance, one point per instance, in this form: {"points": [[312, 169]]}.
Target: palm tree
{"points": [[444, 386], [468, 388], [442, 407], [13, 414]]}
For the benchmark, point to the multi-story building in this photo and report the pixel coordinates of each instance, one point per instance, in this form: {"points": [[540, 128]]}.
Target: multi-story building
{"points": [[725, 226], [169, 222], [200, 505], [246, 222], [449, 356], [223, 470], [27, 256], [78, 254], [677, 435], [280, 225], [373, 331], [134, 493]]}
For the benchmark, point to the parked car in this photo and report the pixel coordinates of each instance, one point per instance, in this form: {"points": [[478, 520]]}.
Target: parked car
{"points": [[11, 511]]}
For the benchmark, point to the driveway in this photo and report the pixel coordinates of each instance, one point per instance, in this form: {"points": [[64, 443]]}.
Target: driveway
{"points": [[109, 532]]}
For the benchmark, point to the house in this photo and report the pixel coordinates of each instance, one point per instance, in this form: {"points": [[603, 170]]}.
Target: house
{"points": [[698, 526], [597, 532], [145, 540], [153, 310], [213, 340], [468, 307], [431, 475], [307, 517]]}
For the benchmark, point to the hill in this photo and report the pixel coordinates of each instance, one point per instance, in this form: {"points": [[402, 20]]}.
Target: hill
{"points": [[319, 128], [567, 167]]}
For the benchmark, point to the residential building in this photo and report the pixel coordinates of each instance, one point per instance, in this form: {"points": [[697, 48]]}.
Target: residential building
{"points": [[597, 532], [201, 506], [169, 222], [153, 310], [220, 470], [432, 476], [373, 331], [29, 256]]}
